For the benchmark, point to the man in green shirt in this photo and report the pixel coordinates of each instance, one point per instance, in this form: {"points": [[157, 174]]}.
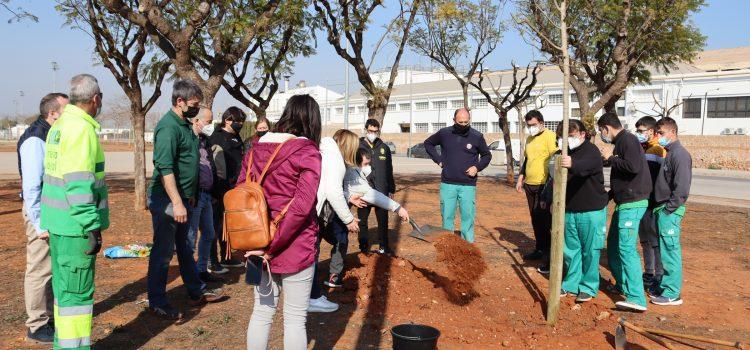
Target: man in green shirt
{"points": [[174, 184]]}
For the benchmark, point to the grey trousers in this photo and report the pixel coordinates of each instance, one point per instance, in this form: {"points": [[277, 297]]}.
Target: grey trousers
{"points": [[37, 286], [649, 237], [296, 289]]}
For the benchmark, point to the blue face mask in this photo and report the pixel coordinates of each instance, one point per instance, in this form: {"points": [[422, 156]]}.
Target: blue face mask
{"points": [[605, 139], [663, 141], [642, 138]]}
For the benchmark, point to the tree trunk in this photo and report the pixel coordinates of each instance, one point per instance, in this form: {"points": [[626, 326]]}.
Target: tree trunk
{"points": [[503, 119], [376, 108], [465, 90], [139, 158], [521, 136]]}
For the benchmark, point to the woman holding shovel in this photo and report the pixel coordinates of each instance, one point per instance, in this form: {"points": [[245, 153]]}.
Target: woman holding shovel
{"points": [[585, 213]]}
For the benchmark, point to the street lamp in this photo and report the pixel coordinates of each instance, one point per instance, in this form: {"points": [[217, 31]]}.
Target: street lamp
{"points": [[55, 68], [20, 101]]}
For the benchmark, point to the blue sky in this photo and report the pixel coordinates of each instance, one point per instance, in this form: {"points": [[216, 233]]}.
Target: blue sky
{"points": [[27, 48]]}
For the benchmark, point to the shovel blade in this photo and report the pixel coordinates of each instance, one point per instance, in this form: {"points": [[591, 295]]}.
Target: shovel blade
{"points": [[621, 340], [423, 233]]}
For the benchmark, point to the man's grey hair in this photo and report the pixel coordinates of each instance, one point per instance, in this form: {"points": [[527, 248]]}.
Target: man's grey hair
{"points": [[186, 90], [83, 87], [51, 103]]}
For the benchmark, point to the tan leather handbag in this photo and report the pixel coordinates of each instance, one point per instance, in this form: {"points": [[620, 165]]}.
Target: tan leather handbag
{"points": [[247, 223]]}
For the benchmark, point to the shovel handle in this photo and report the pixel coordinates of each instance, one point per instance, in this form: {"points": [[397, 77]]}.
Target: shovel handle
{"points": [[737, 344], [646, 334]]}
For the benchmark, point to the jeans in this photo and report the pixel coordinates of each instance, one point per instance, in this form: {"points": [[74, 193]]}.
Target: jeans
{"points": [[219, 246], [296, 289], [169, 236], [649, 235], [541, 219], [202, 216], [465, 197], [337, 235], [382, 217]]}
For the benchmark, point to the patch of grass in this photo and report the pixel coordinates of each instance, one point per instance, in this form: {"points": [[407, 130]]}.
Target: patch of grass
{"points": [[714, 166], [201, 333]]}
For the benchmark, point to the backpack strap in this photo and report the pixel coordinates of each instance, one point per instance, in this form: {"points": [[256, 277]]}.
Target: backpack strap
{"points": [[268, 163]]}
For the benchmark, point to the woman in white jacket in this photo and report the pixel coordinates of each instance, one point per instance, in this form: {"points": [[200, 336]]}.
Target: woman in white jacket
{"points": [[331, 196], [356, 185]]}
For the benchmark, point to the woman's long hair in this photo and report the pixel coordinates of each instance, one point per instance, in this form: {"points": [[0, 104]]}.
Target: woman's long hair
{"points": [[348, 143], [301, 117]]}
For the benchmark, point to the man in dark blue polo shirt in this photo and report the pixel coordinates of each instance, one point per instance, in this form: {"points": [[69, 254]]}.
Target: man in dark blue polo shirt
{"points": [[464, 153]]}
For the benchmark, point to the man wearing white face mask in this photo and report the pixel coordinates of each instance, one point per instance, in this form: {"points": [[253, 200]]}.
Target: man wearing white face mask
{"points": [[540, 146], [200, 211]]}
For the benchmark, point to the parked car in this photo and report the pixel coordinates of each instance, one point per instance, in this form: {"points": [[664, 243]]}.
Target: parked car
{"points": [[497, 148], [418, 151], [392, 146]]}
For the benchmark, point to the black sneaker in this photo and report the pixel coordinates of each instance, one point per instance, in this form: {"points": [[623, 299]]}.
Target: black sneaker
{"points": [[583, 297], [654, 291], [207, 277], [44, 335], [207, 296], [166, 312], [648, 279], [544, 269], [334, 281], [216, 268], [535, 255], [232, 263]]}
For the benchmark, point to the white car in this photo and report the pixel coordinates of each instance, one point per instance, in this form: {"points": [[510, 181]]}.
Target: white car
{"points": [[497, 148]]}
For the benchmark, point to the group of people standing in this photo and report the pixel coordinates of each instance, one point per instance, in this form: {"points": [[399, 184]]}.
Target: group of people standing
{"points": [[317, 181], [650, 180]]}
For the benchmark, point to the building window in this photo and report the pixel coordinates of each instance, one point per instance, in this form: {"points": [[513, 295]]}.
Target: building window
{"points": [[621, 111], [728, 107], [554, 99], [457, 103], [438, 126], [691, 108], [496, 127], [479, 103], [421, 127], [391, 107], [351, 110], [551, 125], [404, 106], [420, 106], [479, 126], [439, 104], [339, 110], [573, 98]]}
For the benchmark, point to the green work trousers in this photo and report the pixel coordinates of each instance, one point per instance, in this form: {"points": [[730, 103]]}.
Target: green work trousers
{"points": [[671, 252], [584, 239], [73, 288], [622, 253], [465, 197]]}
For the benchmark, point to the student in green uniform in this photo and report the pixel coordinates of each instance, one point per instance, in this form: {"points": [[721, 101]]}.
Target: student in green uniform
{"points": [[670, 193], [630, 183], [585, 213]]}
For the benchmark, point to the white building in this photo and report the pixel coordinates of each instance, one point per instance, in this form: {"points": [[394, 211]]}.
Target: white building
{"points": [[322, 95], [711, 95]]}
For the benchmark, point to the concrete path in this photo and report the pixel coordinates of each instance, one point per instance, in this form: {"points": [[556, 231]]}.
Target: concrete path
{"points": [[709, 186]]}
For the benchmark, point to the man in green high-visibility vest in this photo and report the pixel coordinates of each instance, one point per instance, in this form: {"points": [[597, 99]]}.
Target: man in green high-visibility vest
{"points": [[74, 211]]}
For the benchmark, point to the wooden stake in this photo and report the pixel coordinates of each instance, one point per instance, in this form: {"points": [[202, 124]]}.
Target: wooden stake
{"points": [[560, 184]]}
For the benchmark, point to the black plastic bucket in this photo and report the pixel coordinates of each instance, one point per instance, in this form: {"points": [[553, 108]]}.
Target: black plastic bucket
{"points": [[414, 337]]}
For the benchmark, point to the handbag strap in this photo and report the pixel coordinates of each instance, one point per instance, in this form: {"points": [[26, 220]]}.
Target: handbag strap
{"points": [[268, 163]]}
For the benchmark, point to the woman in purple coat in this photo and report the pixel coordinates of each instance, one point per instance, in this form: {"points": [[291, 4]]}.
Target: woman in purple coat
{"points": [[292, 179]]}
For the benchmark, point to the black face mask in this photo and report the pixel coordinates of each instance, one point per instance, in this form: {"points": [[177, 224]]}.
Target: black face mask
{"points": [[261, 133], [191, 112], [236, 127], [460, 129]]}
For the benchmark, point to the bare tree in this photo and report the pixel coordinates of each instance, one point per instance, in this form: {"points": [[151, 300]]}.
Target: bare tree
{"points": [[121, 47], [503, 100], [453, 33], [203, 40], [611, 42], [350, 20]]}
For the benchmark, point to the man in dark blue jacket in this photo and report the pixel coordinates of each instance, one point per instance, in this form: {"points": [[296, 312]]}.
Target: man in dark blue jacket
{"points": [[464, 153]]}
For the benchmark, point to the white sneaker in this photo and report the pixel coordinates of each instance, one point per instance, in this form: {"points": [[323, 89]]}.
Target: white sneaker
{"points": [[322, 305], [628, 306]]}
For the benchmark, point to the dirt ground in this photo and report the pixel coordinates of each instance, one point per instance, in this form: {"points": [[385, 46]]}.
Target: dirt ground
{"points": [[504, 307]]}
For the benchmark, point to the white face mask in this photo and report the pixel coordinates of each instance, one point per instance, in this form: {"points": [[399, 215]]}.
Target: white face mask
{"points": [[208, 129], [367, 170], [534, 130], [372, 136], [573, 143]]}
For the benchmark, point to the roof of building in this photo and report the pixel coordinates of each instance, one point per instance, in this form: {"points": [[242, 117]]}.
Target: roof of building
{"points": [[723, 59]]}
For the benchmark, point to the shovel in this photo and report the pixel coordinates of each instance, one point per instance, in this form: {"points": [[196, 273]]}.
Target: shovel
{"points": [[424, 233]]}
